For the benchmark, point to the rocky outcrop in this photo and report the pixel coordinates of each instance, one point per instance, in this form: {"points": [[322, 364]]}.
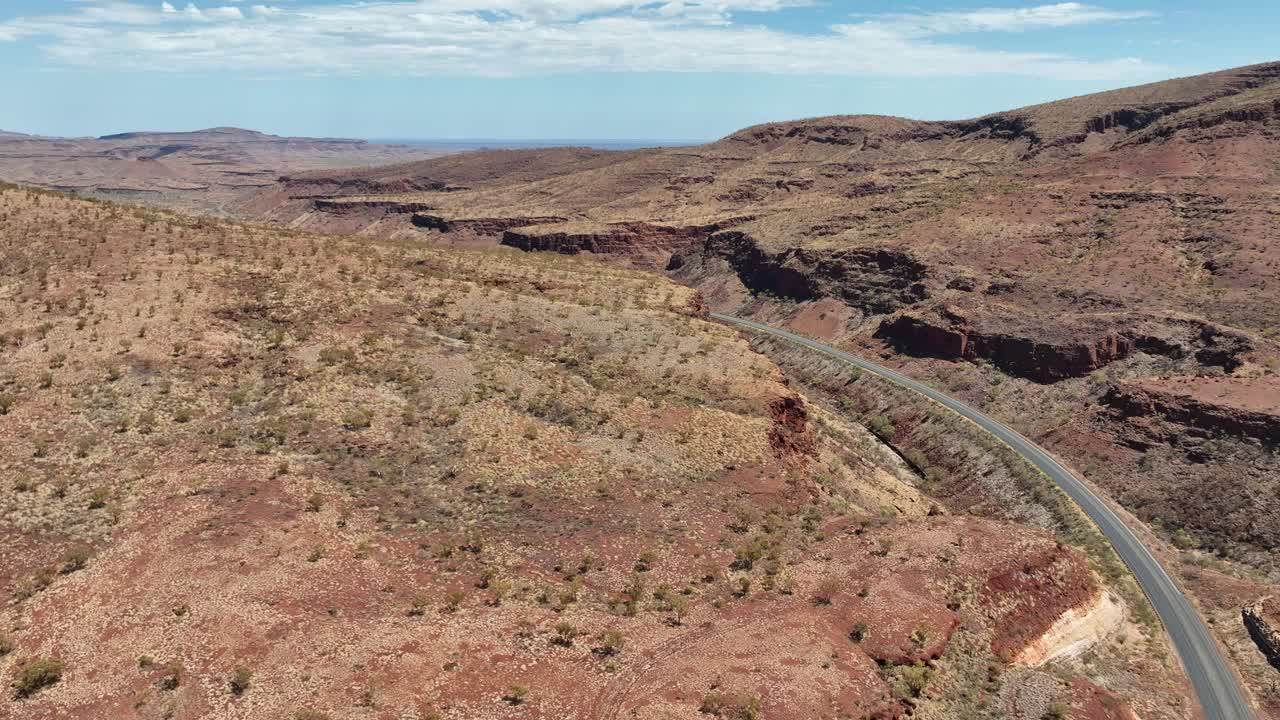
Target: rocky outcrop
{"points": [[494, 227], [322, 187], [1048, 351], [1055, 354], [352, 207], [875, 279], [1262, 620], [1212, 405], [614, 239], [791, 436]]}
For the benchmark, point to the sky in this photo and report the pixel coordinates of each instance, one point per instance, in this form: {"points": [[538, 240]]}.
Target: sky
{"points": [[585, 69]]}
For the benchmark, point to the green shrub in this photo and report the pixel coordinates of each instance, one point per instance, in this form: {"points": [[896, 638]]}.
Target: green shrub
{"points": [[516, 694], [75, 559], [357, 419], [611, 643], [882, 427], [565, 634], [240, 679], [35, 675]]}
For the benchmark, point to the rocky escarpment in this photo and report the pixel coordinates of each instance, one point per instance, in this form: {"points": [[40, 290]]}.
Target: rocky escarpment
{"points": [[485, 227], [354, 207], [323, 187], [1048, 351], [872, 279], [1240, 407], [1048, 356], [1262, 620], [628, 238]]}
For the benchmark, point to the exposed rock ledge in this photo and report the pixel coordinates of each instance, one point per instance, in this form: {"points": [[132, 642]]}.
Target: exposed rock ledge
{"points": [[1262, 620], [1237, 406], [392, 207], [1048, 350], [1041, 354], [1075, 631], [627, 238], [872, 279]]}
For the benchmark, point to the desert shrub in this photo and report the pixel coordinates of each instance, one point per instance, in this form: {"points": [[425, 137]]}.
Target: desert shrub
{"points": [[827, 590], [912, 681], [859, 631], [75, 559], [418, 607], [565, 634], [241, 676], [516, 694], [454, 600], [36, 674], [315, 502], [6, 645], [882, 427], [309, 714], [335, 355], [172, 677], [645, 561], [357, 419], [611, 643], [713, 703], [227, 437], [7, 401]]}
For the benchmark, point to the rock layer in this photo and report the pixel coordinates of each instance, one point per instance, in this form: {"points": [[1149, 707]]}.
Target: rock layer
{"points": [[947, 333], [1213, 405], [872, 279], [1260, 619]]}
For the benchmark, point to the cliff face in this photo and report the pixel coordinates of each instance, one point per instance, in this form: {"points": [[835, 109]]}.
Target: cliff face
{"points": [[875, 280], [1262, 620], [1048, 351], [628, 238], [1047, 358], [1244, 407]]}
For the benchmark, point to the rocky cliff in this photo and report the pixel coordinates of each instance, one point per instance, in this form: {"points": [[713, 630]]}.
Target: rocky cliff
{"points": [[1233, 406], [1044, 357], [626, 238], [872, 279], [1049, 350], [1262, 620]]}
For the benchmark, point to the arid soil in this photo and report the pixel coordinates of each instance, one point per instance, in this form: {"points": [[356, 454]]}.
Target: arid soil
{"points": [[258, 473], [205, 170], [1101, 272]]}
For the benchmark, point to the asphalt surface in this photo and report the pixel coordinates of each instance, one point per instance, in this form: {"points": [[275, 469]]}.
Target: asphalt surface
{"points": [[1215, 685]]}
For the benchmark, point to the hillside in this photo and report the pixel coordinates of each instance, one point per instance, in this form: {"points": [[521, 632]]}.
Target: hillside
{"points": [[1130, 232], [1098, 271], [260, 473]]}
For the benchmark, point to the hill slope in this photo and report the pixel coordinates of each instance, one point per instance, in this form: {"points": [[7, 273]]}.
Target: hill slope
{"points": [[257, 473]]}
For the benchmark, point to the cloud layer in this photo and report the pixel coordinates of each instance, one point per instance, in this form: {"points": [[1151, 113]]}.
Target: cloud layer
{"points": [[539, 37]]}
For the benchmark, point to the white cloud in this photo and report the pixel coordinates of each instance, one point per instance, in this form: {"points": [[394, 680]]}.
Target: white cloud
{"points": [[528, 37], [1040, 17]]}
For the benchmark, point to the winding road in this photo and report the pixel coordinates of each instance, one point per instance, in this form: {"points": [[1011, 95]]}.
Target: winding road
{"points": [[1215, 685]]}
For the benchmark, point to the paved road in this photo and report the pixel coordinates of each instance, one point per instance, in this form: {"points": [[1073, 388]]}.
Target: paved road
{"points": [[1214, 683]]}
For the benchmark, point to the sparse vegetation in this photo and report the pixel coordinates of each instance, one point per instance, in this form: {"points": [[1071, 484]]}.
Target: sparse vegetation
{"points": [[36, 674]]}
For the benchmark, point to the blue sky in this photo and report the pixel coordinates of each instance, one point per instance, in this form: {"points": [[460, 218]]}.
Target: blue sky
{"points": [[589, 69]]}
